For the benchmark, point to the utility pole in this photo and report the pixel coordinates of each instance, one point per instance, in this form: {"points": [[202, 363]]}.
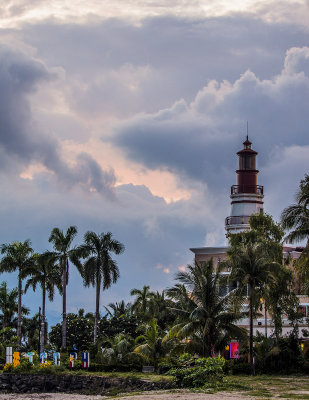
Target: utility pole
{"points": [[39, 347]]}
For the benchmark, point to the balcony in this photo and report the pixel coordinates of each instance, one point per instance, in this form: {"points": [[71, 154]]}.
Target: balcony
{"points": [[255, 189], [237, 220]]}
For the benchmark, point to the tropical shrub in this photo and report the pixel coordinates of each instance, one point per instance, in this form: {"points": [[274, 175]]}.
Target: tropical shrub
{"points": [[205, 372]]}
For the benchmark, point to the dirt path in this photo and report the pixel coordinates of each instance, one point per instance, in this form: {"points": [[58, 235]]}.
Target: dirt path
{"points": [[149, 396]]}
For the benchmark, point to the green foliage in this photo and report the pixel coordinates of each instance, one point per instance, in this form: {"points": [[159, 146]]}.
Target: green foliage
{"points": [[79, 332], [118, 352], [150, 346], [204, 317], [204, 373]]}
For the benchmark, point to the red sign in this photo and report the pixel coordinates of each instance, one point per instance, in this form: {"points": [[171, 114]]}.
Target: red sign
{"points": [[234, 350]]}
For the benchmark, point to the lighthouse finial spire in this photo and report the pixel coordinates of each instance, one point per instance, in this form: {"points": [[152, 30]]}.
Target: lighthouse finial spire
{"points": [[247, 129]]}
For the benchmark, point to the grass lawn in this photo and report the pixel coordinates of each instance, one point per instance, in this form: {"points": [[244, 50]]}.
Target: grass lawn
{"points": [[261, 386], [268, 386]]}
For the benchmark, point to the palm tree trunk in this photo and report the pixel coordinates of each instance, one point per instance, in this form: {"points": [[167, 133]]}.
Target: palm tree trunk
{"points": [[42, 342], [20, 288], [5, 319], [251, 331], [97, 309], [64, 305]]}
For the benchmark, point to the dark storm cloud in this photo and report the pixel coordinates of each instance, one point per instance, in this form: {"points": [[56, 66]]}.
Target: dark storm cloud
{"points": [[23, 142], [199, 138]]}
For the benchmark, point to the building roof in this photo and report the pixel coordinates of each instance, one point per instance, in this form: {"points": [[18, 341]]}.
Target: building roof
{"points": [[209, 250]]}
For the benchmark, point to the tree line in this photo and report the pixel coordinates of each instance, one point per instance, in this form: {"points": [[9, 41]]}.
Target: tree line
{"points": [[50, 270], [198, 315]]}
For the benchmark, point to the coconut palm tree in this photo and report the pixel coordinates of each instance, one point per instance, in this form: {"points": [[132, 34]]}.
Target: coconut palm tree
{"points": [[120, 309], [18, 256], [99, 269], [253, 271], [150, 345], [47, 274], [9, 306], [8, 303], [296, 219], [203, 313], [118, 350], [62, 245], [142, 301], [296, 216]]}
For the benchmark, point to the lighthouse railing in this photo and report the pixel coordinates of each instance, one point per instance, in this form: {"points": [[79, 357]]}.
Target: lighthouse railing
{"points": [[252, 189], [237, 220]]}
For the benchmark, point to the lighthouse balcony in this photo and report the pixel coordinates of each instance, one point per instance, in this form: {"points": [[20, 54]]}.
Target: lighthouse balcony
{"points": [[239, 189], [237, 220]]}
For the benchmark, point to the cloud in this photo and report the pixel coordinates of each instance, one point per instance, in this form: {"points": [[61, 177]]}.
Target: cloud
{"points": [[23, 142], [125, 68], [197, 140]]}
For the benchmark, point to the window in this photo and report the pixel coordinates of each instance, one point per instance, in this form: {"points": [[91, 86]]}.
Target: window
{"points": [[303, 309]]}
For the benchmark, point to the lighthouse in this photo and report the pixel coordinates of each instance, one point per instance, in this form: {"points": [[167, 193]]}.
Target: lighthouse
{"points": [[247, 196]]}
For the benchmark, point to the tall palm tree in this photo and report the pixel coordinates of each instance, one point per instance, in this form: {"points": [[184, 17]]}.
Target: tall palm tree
{"points": [[62, 244], [252, 270], [99, 269], [17, 256], [203, 313], [47, 274]]}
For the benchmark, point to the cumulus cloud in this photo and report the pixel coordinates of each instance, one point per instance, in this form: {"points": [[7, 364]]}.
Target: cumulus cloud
{"points": [[198, 139], [114, 67], [23, 142]]}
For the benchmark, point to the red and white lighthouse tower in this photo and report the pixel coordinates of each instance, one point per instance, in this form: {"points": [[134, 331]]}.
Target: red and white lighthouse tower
{"points": [[247, 195]]}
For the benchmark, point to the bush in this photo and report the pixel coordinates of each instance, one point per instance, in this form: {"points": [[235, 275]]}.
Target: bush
{"points": [[237, 367], [205, 372], [97, 367]]}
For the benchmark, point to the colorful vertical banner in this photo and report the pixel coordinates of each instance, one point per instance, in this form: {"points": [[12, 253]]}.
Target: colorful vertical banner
{"points": [[29, 356], [16, 359], [56, 359], [234, 350], [9, 355], [85, 360], [72, 361], [43, 358], [73, 356]]}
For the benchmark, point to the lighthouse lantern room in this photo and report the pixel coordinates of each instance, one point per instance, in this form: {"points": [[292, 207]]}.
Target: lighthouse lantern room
{"points": [[247, 195]]}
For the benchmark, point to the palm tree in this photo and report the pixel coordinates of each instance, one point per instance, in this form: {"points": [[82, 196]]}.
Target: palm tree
{"points": [[47, 274], [296, 216], [153, 346], [296, 219], [62, 245], [120, 309], [9, 306], [8, 303], [203, 313], [118, 350], [252, 270], [18, 256], [99, 269], [142, 301]]}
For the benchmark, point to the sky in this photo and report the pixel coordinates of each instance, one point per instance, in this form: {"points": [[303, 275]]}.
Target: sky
{"points": [[126, 116]]}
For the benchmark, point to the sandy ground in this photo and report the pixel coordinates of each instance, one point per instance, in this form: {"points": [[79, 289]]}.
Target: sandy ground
{"points": [[149, 396]]}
